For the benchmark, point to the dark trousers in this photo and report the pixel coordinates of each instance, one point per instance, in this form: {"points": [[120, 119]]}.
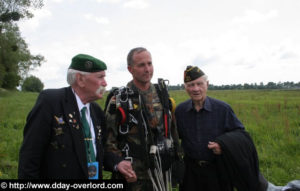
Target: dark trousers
{"points": [[140, 185], [202, 177]]}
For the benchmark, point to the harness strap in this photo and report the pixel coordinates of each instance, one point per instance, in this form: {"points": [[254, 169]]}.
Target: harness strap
{"points": [[123, 115], [163, 95]]}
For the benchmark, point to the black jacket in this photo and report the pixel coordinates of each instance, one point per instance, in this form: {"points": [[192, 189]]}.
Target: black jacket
{"points": [[53, 145], [238, 164]]}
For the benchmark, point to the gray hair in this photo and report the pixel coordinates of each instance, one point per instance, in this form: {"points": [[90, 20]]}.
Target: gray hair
{"points": [[131, 53], [71, 75]]}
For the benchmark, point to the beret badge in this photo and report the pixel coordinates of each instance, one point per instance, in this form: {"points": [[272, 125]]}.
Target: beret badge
{"points": [[88, 65]]}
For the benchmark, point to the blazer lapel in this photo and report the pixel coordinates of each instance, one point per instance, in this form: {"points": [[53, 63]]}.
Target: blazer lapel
{"points": [[73, 117]]}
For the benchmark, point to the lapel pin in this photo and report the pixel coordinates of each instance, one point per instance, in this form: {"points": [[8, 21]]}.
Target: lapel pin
{"points": [[59, 120]]}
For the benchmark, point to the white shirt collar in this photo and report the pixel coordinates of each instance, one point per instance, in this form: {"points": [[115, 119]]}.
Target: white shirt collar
{"points": [[81, 105]]}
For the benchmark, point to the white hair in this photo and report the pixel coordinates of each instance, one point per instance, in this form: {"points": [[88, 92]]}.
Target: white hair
{"points": [[71, 75]]}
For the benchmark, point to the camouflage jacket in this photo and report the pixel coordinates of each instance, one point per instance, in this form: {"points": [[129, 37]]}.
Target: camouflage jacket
{"points": [[115, 144]]}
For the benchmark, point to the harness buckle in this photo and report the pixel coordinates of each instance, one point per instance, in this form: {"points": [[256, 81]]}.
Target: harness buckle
{"points": [[129, 159], [123, 132], [126, 149], [132, 119]]}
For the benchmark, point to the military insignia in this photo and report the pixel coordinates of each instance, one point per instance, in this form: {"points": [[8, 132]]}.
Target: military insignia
{"points": [[54, 144], [88, 64], [59, 120], [135, 106], [99, 131], [58, 131], [156, 104], [188, 78], [73, 121]]}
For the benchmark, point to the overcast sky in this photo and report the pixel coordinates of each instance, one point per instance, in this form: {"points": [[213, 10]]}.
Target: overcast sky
{"points": [[232, 41]]}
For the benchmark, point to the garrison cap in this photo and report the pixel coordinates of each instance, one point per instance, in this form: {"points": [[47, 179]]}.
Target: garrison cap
{"points": [[87, 63], [192, 73]]}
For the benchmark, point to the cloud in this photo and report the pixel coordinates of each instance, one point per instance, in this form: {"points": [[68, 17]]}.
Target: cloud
{"points": [[288, 55], [202, 60], [57, 1], [100, 20], [34, 23], [109, 1], [253, 16], [136, 4]]}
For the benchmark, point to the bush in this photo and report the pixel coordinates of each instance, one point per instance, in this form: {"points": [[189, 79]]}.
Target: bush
{"points": [[32, 84]]}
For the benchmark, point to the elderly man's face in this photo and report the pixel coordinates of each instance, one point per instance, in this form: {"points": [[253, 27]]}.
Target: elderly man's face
{"points": [[94, 85], [197, 89]]}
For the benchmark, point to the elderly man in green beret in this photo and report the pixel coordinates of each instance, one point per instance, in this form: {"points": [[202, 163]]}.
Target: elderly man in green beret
{"points": [[65, 131]]}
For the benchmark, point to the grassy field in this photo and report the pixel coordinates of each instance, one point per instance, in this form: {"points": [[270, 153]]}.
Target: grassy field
{"points": [[271, 117]]}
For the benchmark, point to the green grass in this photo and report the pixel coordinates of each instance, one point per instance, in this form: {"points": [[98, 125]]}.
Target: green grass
{"points": [[272, 117]]}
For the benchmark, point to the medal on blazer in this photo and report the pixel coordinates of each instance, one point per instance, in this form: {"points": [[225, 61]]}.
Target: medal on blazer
{"points": [[73, 121], [99, 132], [59, 120], [59, 130]]}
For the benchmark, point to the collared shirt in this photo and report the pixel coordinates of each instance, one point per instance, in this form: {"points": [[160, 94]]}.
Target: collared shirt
{"points": [[88, 117], [196, 129]]}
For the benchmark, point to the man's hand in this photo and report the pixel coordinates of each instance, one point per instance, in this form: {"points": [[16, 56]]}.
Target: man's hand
{"points": [[125, 168], [215, 147]]}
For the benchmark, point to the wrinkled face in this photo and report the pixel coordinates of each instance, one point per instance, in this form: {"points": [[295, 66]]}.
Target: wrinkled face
{"points": [[94, 85], [197, 89], [142, 68]]}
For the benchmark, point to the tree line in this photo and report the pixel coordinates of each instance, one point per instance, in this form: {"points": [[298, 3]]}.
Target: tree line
{"points": [[15, 57], [245, 86]]}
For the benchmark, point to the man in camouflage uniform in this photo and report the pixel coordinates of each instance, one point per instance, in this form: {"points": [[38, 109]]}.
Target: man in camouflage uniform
{"points": [[140, 66]]}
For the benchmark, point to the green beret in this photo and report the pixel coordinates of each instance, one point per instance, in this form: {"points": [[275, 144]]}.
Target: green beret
{"points": [[87, 63], [192, 73]]}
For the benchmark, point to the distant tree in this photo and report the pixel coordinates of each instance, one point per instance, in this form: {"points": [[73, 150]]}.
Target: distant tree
{"points": [[14, 10], [32, 84], [15, 58], [271, 85]]}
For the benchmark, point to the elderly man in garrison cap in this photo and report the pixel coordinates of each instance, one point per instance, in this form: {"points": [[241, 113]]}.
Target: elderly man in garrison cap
{"points": [[65, 131], [210, 133]]}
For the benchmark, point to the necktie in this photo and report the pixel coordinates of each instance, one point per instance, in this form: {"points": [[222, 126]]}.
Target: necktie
{"points": [[87, 137]]}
